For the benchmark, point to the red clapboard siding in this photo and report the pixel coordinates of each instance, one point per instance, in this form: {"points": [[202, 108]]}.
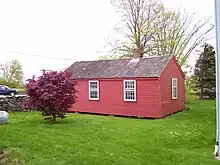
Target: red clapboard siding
{"points": [[154, 95], [111, 99], [169, 106]]}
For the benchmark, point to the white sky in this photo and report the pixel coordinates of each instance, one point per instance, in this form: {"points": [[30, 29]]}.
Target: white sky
{"points": [[64, 28]]}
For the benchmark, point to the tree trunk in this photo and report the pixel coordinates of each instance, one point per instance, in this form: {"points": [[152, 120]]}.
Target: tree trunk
{"points": [[201, 94], [54, 118]]}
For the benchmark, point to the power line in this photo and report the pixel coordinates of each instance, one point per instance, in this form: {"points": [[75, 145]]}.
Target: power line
{"points": [[36, 55]]}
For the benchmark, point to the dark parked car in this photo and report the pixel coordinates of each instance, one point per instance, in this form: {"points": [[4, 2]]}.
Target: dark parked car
{"points": [[5, 90]]}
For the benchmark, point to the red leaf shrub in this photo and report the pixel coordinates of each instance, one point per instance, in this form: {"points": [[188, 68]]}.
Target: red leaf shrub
{"points": [[52, 94]]}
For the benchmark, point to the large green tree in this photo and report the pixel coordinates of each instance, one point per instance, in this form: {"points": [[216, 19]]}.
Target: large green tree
{"points": [[156, 30], [205, 77], [12, 73]]}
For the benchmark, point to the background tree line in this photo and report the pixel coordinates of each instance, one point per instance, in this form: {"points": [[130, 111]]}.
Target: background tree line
{"points": [[12, 74]]}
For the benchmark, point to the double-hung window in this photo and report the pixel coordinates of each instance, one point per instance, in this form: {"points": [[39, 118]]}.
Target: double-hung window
{"points": [[129, 90], [93, 90], [174, 88]]}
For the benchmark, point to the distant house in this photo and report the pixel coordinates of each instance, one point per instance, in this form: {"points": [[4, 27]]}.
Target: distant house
{"points": [[146, 87]]}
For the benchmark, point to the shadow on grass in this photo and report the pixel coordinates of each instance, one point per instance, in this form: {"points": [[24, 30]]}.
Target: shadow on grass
{"points": [[29, 119], [58, 121], [40, 121]]}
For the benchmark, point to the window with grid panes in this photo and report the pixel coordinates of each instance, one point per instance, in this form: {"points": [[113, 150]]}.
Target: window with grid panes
{"points": [[174, 88], [93, 90], [129, 90]]}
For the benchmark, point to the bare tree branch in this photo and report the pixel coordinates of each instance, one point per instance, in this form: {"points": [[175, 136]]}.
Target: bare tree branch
{"points": [[156, 30]]}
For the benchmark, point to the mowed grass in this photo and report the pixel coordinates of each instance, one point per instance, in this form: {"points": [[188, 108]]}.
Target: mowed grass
{"points": [[186, 138]]}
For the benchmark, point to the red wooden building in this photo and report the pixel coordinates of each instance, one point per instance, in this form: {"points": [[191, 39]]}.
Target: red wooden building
{"points": [[145, 87]]}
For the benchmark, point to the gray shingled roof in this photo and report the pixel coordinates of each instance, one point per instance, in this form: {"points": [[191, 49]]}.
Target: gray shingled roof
{"points": [[125, 68]]}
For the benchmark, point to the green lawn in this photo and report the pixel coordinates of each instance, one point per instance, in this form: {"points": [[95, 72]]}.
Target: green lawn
{"points": [[101, 140]]}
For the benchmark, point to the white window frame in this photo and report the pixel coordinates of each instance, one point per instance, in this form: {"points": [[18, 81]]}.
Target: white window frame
{"points": [[96, 81], [174, 79], [135, 89]]}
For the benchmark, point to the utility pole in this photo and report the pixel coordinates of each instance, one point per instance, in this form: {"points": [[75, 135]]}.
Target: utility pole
{"points": [[217, 28]]}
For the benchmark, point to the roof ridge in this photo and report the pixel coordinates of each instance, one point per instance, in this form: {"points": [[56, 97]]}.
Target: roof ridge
{"points": [[102, 60], [156, 56]]}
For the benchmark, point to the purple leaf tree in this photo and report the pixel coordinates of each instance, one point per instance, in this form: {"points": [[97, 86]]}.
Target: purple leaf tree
{"points": [[53, 93]]}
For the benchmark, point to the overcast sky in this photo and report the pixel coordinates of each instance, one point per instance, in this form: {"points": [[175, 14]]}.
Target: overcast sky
{"points": [[64, 28]]}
